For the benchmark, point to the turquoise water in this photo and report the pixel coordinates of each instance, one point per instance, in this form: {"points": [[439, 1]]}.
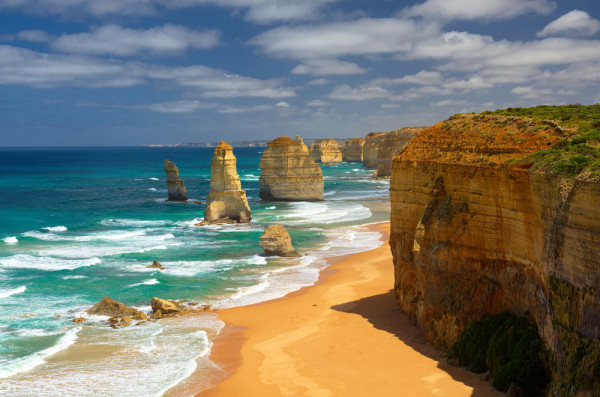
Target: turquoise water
{"points": [[78, 224]]}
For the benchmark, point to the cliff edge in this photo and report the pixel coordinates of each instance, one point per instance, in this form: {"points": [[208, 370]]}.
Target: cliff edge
{"points": [[500, 211]]}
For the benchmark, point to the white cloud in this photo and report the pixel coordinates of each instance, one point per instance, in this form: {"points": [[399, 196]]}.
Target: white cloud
{"points": [[475, 10], [318, 102], [321, 67], [345, 92], [282, 104], [424, 77], [26, 67], [244, 109], [573, 23], [531, 92], [34, 36], [116, 40], [182, 106], [319, 82], [259, 11], [331, 40]]}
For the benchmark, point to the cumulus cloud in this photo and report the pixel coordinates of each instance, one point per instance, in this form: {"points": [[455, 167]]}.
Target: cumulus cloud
{"points": [[573, 23], [42, 70], [318, 102], [474, 10], [259, 11], [120, 41], [282, 104], [347, 93], [319, 67], [183, 106]]}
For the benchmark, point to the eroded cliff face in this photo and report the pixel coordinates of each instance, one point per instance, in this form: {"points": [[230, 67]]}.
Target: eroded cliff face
{"points": [[390, 145], [288, 172], [473, 234], [175, 186], [353, 150], [371, 149], [226, 200], [325, 151]]}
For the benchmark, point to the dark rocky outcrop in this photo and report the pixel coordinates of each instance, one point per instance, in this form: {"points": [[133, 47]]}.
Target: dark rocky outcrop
{"points": [[112, 308], [276, 241], [156, 265], [175, 186]]}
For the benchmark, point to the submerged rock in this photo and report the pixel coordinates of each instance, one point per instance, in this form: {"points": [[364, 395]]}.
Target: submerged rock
{"points": [[226, 200], [175, 186], [288, 173], [156, 265], [276, 241], [326, 151], [353, 150], [112, 308], [164, 306]]}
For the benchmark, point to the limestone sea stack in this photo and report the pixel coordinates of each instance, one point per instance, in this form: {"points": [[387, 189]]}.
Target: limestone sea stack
{"points": [[391, 145], [175, 186], [288, 173], [353, 150], [226, 200], [371, 149], [276, 241], [326, 151]]}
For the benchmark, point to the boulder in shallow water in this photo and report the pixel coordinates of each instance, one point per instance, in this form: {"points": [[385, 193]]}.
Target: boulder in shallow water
{"points": [[112, 308], [276, 241], [164, 306], [80, 320], [156, 265], [175, 186]]}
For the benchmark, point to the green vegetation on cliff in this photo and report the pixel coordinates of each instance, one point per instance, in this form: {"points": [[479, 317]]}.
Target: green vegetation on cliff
{"points": [[579, 154], [509, 347]]}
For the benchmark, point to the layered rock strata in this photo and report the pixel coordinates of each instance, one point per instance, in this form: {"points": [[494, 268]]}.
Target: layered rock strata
{"points": [[474, 234], [226, 199], [371, 149], [390, 145], [288, 173], [326, 151], [353, 150], [175, 186], [276, 241]]}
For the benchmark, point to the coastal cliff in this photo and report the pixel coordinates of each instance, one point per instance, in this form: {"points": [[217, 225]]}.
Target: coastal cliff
{"points": [[175, 186], [371, 149], [493, 213], [353, 150], [390, 145], [325, 151], [288, 172], [226, 200]]}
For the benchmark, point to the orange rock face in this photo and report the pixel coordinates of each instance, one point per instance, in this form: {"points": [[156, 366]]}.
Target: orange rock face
{"points": [[390, 145], [326, 151], [353, 150], [471, 238], [288, 173], [371, 149]]}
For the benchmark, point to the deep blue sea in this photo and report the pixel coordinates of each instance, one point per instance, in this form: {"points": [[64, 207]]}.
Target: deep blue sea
{"points": [[78, 224]]}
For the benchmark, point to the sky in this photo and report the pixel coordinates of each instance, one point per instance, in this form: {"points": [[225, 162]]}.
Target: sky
{"points": [[136, 72]]}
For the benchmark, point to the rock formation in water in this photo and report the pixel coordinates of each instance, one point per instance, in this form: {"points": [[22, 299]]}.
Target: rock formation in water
{"points": [[288, 173], [226, 200], [489, 214], [353, 150], [175, 186], [112, 308], [390, 145], [371, 149], [276, 241], [164, 306], [156, 265], [325, 151]]}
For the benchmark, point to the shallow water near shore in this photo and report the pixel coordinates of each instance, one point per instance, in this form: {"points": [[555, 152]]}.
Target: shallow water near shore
{"points": [[78, 224]]}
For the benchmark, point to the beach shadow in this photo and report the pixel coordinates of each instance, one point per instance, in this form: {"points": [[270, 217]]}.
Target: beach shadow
{"points": [[383, 312]]}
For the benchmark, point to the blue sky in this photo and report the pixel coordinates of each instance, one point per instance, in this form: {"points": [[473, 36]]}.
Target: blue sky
{"points": [[134, 72]]}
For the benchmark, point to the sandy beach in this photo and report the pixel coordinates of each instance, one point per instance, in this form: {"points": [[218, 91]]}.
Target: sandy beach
{"points": [[343, 336]]}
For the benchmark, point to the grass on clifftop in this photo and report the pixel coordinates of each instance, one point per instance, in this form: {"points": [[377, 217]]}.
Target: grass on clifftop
{"points": [[578, 155]]}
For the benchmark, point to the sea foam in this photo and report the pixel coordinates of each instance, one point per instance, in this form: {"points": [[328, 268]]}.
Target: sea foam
{"points": [[11, 292], [11, 240]]}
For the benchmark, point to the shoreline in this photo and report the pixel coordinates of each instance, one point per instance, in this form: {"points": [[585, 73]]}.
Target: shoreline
{"points": [[343, 335]]}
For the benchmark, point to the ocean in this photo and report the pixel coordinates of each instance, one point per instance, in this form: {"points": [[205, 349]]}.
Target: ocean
{"points": [[79, 224]]}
